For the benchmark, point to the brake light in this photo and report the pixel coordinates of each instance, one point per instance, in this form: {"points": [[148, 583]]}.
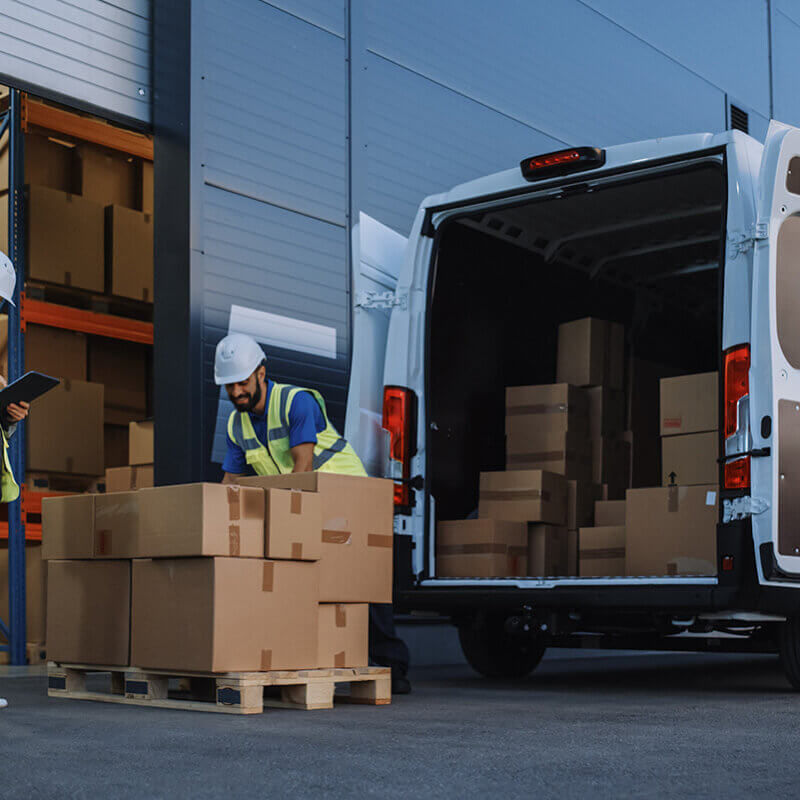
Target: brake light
{"points": [[562, 162], [737, 384], [737, 473], [399, 411]]}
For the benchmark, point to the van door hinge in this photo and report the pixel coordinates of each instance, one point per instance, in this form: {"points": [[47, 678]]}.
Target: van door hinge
{"points": [[741, 242], [742, 507], [381, 300]]}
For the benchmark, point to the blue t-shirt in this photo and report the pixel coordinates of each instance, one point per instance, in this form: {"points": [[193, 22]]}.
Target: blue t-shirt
{"points": [[305, 422]]}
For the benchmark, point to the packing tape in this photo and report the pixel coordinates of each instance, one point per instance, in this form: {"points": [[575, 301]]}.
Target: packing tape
{"points": [[672, 499], [268, 576], [67, 279], [672, 568], [234, 540], [102, 542], [516, 551], [486, 548], [339, 660], [537, 408], [341, 616], [234, 506], [515, 494], [67, 384], [70, 464], [297, 501], [145, 294], [602, 552], [379, 540], [336, 537], [297, 551], [133, 478], [266, 659]]}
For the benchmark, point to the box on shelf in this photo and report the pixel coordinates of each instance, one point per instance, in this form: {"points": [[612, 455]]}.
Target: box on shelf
{"points": [[116, 525], [343, 635], [200, 519], [672, 530], [54, 351], [140, 442], [115, 445], [128, 479], [606, 411], [129, 253], [572, 553], [47, 163], [581, 498], [591, 352], [65, 430], [550, 408], [146, 193], [224, 614], [122, 368], [608, 513], [107, 177], [523, 496], [601, 551], [89, 612], [690, 459], [566, 453], [293, 524], [65, 239], [481, 548], [548, 550], [689, 404], [35, 590], [611, 465]]}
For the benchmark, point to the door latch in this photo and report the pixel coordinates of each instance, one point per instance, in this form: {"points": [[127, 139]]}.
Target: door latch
{"points": [[381, 300]]}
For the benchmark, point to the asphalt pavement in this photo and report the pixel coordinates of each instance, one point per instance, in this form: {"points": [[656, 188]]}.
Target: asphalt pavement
{"points": [[631, 725]]}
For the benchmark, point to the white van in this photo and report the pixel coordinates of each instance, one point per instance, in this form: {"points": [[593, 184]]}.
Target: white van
{"points": [[692, 241]]}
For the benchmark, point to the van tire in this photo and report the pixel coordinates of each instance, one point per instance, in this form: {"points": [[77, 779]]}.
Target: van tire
{"points": [[789, 649], [494, 653]]}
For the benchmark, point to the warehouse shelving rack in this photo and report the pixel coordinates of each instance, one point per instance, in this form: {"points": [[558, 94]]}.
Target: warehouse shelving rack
{"points": [[17, 115]]}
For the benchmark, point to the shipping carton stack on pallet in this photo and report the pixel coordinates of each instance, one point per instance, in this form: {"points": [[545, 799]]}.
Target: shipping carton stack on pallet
{"points": [[264, 584], [138, 474]]}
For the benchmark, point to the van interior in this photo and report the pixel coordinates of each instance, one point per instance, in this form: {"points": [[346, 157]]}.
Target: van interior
{"points": [[645, 251]]}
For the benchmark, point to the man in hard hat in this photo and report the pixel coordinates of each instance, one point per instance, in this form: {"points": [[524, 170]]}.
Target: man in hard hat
{"points": [[15, 412], [277, 428]]}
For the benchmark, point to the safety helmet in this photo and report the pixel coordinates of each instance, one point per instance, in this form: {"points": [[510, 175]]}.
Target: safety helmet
{"points": [[8, 278], [236, 359]]}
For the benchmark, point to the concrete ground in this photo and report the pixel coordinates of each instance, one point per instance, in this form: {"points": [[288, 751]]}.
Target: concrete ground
{"points": [[631, 725]]}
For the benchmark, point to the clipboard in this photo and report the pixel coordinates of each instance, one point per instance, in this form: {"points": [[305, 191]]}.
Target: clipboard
{"points": [[26, 389]]}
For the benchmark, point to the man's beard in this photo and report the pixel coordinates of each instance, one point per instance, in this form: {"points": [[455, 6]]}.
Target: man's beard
{"points": [[252, 400]]}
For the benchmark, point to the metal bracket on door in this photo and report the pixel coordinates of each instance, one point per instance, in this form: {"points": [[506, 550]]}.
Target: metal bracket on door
{"points": [[381, 300]]}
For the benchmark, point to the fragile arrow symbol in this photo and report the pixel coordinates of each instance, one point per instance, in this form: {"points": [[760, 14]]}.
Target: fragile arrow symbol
{"points": [[672, 477]]}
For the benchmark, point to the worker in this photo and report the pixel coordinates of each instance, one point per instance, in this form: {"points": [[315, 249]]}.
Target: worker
{"points": [[15, 412], [276, 429]]}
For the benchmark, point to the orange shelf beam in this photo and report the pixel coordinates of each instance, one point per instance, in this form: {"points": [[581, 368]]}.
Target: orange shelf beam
{"points": [[92, 322], [86, 128]]}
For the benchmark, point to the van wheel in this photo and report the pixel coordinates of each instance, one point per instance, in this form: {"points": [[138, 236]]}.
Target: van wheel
{"points": [[789, 649], [494, 653]]}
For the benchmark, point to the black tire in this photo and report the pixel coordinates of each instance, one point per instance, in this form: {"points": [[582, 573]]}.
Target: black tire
{"points": [[494, 653], [789, 649]]}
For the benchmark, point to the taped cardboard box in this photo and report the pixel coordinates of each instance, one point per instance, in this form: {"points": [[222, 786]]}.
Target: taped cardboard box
{"points": [[611, 465], [690, 459], [689, 404], [140, 442], [481, 548], [225, 614], [89, 612], [293, 524], [523, 496], [128, 479], [200, 519], [107, 177], [550, 408], [343, 635], [116, 525], [357, 533], [566, 453], [609, 513], [601, 551], [68, 527], [35, 590], [122, 368], [54, 351], [65, 430], [672, 530], [548, 550], [129, 253], [591, 352], [606, 411], [581, 498]]}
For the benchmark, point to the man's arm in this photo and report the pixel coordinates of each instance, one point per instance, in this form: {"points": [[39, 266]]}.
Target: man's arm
{"points": [[232, 477], [303, 455]]}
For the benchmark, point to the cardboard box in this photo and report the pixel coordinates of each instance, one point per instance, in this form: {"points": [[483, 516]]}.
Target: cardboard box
{"points": [[65, 239], [200, 519], [293, 524], [357, 533], [107, 177], [548, 550], [224, 614], [645, 458], [122, 368], [140, 442], [689, 404], [591, 352], [115, 445], [690, 459], [606, 411], [65, 430], [551, 408], [611, 465], [116, 525], [128, 479], [581, 498], [54, 351], [568, 454], [35, 590], [88, 612], [47, 163], [601, 551], [672, 530], [609, 513], [572, 553], [343, 635], [129, 253], [68, 527], [523, 496], [146, 186], [481, 548]]}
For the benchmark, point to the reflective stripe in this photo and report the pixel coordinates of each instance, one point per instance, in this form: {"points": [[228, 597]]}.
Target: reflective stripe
{"points": [[238, 433], [278, 433], [327, 455]]}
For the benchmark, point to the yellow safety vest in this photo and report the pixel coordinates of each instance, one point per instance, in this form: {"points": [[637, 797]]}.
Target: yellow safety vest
{"points": [[332, 453], [9, 491]]}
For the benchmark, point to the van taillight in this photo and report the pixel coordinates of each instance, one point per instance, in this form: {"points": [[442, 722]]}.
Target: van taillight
{"points": [[737, 473], [399, 417], [737, 386]]}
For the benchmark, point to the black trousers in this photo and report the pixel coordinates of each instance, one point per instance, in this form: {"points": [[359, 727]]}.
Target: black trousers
{"points": [[386, 648]]}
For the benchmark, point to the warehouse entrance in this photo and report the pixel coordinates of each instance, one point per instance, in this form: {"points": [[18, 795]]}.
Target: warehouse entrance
{"points": [[611, 291]]}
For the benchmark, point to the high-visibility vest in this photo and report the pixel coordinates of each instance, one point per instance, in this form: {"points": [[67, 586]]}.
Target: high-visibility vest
{"points": [[332, 453], [9, 491]]}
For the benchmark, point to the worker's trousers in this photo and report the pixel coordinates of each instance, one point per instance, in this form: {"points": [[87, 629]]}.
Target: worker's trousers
{"points": [[386, 648]]}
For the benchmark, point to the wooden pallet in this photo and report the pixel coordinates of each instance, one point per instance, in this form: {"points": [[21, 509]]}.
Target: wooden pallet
{"points": [[227, 693]]}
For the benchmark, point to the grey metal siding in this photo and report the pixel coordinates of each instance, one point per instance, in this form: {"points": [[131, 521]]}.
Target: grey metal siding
{"points": [[94, 53], [786, 62]]}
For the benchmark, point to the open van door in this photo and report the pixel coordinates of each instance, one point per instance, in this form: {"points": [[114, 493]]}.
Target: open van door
{"points": [[378, 254]]}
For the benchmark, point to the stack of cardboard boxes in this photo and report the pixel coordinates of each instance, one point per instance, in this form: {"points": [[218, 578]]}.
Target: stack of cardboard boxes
{"points": [[138, 474], [275, 573]]}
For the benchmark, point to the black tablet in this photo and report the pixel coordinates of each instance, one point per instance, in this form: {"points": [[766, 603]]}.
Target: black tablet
{"points": [[27, 388]]}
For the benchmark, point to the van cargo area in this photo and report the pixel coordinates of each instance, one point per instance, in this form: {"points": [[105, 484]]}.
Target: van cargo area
{"points": [[645, 250]]}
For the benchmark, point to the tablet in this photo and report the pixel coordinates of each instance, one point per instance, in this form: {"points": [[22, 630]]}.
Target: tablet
{"points": [[27, 388]]}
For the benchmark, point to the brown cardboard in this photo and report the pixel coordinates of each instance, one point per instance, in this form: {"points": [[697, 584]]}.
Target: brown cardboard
{"points": [[690, 459], [591, 353], [609, 513], [343, 635], [65, 239], [357, 533], [611, 465], [54, 351], [606, 411], [116, 525], [523, 496], [689, 404], [481, 548], [129, 253], [548, 550], [115, 445], [672, 530], [224, 614], [572, 553], [146, 193], [47, 163], [200, 519], [68, 527], [292, 524], [107, 177], [567, 453], [550, 408], [645, 458], [88, 612], [581, 497], [127, 479], [140, 442], [35, 590], [601, 551], [65, 430], [122, 368]]}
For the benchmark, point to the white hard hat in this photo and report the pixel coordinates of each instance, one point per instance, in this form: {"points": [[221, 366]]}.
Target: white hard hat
{"points": [[8, 278], [236, 359]]}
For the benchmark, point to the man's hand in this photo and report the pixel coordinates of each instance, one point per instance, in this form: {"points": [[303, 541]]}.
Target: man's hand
{"points": [[17, 412], [303, 455]]}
